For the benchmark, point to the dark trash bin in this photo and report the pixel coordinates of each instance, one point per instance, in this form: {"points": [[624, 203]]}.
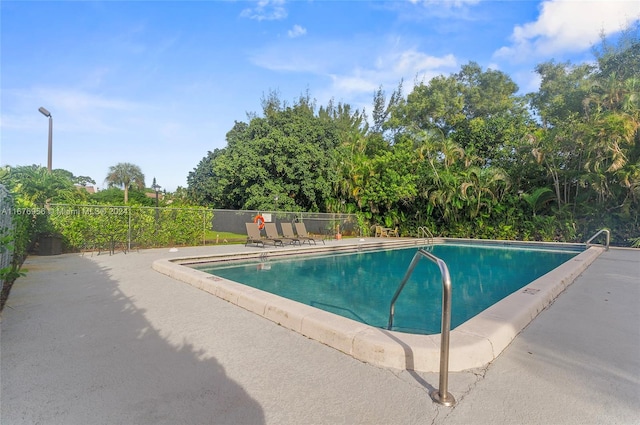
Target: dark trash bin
{"points": [[50, 245]]}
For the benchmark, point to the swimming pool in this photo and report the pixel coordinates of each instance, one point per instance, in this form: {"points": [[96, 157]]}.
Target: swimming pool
{"points": [[360, 285], [474, 343]]}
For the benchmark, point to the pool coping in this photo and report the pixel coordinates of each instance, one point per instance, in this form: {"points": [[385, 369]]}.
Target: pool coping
{"points": [[473, 344]]}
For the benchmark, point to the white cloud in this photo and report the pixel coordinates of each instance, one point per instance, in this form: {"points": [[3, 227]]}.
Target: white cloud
{"points": [[278, 61], [354, 83], [569, 26], [409, 65], [313, 56], [72, 110], [296, 31], [357, 84], [266, 10], [446, 3], [418, 62], [428, 9], [358, 67], [71, 100]]}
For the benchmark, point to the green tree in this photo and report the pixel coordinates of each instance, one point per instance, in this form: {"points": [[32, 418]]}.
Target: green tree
{"points": [[125, 175], [558, 145], [478, 110], [538, 199], [483, 188], [464, 154], [622, 56], [495, 117], [612, 134], [588, 140], [285, 154], [37, 185], [32, 188], [434, 107], [563, 89]]}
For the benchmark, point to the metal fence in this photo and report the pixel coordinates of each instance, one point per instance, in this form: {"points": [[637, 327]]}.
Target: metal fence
{"points": [[6, 228], [326, 224], [109, 227]]}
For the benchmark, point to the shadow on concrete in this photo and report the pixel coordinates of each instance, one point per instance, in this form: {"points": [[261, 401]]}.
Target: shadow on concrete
{"points": [[408, 352], [76, 350]]}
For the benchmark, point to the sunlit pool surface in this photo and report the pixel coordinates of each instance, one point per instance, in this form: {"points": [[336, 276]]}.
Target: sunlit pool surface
{"points": [[360, 285]]}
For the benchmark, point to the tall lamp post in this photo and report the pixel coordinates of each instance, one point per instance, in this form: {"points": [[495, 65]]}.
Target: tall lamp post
{"points": [[155, 186], [48, 114]]}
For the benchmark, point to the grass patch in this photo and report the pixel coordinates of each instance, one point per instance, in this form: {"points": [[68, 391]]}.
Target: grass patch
{"points": [[213, 237]]}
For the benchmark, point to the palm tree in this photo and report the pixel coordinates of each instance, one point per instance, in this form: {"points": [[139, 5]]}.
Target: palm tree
{"points": [[482, 187], [538, 198], [125, 174]]}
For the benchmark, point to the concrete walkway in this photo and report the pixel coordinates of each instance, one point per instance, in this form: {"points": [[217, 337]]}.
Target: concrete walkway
{"points": [[107, 340]]}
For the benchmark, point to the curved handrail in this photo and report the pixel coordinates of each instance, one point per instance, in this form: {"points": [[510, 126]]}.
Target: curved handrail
{"points": [[424, 232], [608, 236], [440, 395]]}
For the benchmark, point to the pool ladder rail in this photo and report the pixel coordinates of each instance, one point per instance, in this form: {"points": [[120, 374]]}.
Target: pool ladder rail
{"points": [[425, 233], [607, 238], [440, 395]]}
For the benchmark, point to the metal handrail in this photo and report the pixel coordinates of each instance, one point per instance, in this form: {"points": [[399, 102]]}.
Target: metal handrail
{"points": [[605, 231], [424, 232], [442, 394]]}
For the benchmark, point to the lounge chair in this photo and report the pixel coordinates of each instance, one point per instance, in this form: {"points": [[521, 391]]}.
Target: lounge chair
{"points": [[301, 229], [272, 233], [254, 236], [287, 232]]}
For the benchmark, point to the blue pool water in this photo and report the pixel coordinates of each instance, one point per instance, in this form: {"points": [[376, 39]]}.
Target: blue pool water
{"points": [[360, 285]]}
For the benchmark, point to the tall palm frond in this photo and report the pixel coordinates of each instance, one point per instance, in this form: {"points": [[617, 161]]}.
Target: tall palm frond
{"points": [[125, 174]]}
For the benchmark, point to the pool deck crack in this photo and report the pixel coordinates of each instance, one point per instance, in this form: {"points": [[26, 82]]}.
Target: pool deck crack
{"points": [[479, 374]]}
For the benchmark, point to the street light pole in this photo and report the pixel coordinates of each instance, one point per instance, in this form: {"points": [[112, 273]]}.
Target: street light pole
{"points": [[155, 186], [46, 113]]}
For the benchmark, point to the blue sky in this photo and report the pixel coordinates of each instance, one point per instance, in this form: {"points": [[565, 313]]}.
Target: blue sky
{"points": [[159, 84]]}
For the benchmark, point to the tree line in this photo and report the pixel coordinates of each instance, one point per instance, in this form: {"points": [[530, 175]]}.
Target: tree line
{"points": [[42, 203], [463, 154]]}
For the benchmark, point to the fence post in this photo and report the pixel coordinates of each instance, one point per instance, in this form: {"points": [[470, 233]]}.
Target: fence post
{"points": [[6, 228], [129, 232]]}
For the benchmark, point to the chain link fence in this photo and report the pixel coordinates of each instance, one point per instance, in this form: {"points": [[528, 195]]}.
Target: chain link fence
{"points": [[326, 224], [6, 229], [111, 227], [106, 227]]}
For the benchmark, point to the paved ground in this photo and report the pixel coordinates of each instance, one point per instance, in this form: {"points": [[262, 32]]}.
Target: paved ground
{"points": [[107, 340]]}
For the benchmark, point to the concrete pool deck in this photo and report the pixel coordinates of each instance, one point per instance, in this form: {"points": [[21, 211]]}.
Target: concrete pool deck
{"points": [[106, 339], [473, 344]]}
